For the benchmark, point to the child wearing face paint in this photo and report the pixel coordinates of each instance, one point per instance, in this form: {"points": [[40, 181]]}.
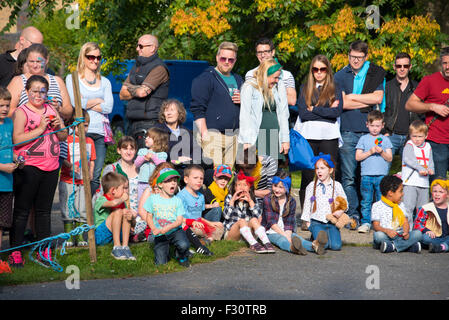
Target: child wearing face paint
{"points": [[278, 217], [433, 219], [35, 184], [319, 202], [242, 213]]}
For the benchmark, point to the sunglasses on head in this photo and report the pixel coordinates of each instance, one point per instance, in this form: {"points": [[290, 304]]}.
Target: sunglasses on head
{"points": [[315, 69], [400, 66], [92, 58], [230, 60]]}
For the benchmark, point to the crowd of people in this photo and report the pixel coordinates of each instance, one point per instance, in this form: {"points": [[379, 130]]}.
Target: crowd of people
{"points": [[176, 187]]}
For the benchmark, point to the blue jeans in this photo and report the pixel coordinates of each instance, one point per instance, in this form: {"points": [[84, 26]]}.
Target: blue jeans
{"points": [[398, 141], [213, 215], [348, 167], [440, 154], [282, 242], [369, 187], [333, 234], [400, 243], [100, 151], [162, 244], [435, 241]]}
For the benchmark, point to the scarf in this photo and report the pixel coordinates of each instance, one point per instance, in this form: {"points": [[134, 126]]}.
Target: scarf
{"points": [[219, 193], [359, 79], [398, 216], [256, 173]]}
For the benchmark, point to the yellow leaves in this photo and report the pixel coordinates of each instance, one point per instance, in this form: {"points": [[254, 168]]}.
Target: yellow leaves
{"points": [[84, 4], [322, 32], [345, 23], [339, 60], [210, 21], [383, 56], [285, 38], [264, 5], [413, 28]]}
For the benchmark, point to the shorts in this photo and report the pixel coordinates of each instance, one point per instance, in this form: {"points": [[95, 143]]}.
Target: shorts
{"points": [[103, 235], [6, 200]]}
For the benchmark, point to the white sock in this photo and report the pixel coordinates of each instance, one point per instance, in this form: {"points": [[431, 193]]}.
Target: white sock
{"points": [[260, 232], [247, 235]]}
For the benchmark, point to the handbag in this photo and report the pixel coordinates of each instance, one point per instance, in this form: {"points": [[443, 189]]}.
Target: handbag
{"points": [[108, 135], [300, 154]]}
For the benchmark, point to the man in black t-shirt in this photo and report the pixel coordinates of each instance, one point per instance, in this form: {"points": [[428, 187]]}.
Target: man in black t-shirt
{"points": [[8, 60], [397, 92]]}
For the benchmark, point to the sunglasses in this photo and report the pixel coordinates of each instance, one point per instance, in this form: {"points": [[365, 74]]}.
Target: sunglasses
{"points": [[400, 66], [141, 46], [315, 69], [230, 60], [92, 58]]}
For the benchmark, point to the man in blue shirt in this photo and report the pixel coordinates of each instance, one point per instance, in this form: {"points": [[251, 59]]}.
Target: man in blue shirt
{"points": [[363, 85]]}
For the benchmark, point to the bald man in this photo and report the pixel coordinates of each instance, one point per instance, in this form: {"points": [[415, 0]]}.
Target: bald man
{"points": [[8, 60], [145, 88]]}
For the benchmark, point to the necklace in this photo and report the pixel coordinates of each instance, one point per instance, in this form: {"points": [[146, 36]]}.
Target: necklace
{"points": [[91, 82]]}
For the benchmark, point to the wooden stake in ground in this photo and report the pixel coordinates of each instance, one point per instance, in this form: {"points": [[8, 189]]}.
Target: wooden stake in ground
{"points": [[84, 167]]}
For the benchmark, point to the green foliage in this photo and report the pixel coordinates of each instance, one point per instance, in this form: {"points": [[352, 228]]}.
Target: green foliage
{"points": [[111, 151]]}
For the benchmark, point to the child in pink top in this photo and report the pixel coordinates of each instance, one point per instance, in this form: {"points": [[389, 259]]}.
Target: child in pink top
{"points": [[35, 184]]}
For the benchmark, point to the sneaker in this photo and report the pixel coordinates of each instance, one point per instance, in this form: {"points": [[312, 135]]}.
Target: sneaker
{"points": [[184, 262], [364, 228], [415, 248], [118, 253], [319, 244], [15, 259], [296, 247], [128, 254], [269, 247], [205, 251], [258, 248], [436, 248], [386, 247]]}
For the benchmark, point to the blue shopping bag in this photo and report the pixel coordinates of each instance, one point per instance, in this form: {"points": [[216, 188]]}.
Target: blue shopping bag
{"points": [[300, 154]]}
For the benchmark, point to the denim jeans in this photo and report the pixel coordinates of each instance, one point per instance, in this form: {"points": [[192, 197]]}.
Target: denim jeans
{"points": [[436, 241], [333, 234], [213, 215], [400, 243], [100, 151], [162, 244], [282, 242], [440, 154], [398, 141], [370, 191], [348, 168]]}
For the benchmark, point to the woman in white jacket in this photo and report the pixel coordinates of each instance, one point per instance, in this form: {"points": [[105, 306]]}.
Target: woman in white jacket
{"points": [[264, 111]]}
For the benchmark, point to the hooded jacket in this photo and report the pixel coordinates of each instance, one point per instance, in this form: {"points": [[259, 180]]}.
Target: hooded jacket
{"points": [[428, 219]]}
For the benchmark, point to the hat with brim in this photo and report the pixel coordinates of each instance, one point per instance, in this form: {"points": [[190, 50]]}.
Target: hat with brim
{"points": [[223, 170], [166, 174]]}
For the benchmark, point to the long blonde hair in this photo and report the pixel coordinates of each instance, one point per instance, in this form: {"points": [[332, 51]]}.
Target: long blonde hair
{"points": [[327, 94], [85, 49], [262, 83]]}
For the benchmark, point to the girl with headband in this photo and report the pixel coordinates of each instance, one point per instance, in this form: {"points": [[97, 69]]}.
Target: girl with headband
{"points": [[264, 107], [241, 214], [278, 217], [319, 202]]}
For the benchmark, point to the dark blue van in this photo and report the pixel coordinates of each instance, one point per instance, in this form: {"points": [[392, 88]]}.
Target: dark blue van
{"points": [[182, 73]]}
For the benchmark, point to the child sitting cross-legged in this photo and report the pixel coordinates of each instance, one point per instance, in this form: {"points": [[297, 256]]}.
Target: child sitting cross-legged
{"points": [[113, 220], [194, 225], [164, 216], [389, 219]]}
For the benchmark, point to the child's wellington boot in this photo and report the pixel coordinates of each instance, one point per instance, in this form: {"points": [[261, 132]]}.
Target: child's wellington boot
{"points": [[80, 242], [68, 227]]}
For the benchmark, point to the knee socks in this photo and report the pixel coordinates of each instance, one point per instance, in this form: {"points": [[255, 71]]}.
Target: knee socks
{"points": [[247, 235], [260, 233]]}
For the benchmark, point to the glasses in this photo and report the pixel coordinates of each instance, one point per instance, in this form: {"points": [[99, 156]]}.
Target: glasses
{"points": [[316, 70], [41, 93], [358, 58], [400, 66], [259, 53], [92, 57], [224, 59], [141, 46]]}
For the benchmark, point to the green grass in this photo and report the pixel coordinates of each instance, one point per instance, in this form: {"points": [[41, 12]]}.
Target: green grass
{"points": [[106, 266]]}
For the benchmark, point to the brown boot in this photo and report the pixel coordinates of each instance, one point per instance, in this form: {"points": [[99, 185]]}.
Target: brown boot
{"points": [[342, 221], [296, 247], [320, 242]]}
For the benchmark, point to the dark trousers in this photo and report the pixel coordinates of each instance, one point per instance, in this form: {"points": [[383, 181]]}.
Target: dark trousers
{"points": [[138, 130], [326, 147], [162, 246], [33, 188]]}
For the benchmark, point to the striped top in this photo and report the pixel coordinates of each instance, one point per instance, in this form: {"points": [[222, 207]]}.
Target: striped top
{"points": [[53, 90]]}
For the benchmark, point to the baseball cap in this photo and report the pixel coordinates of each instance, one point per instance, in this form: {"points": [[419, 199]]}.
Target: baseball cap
{"points": [[223, 170], [167, 173]]}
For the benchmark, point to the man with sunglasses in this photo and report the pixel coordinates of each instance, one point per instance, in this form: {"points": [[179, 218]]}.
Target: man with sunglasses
{"points": [[264, 51], [397, 92], [145, 88], [215, 106], [8, 60], [362, 83], [431, 97]]}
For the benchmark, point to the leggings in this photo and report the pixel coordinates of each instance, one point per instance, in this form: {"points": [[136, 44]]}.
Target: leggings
{"points": [[33, 188]]}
